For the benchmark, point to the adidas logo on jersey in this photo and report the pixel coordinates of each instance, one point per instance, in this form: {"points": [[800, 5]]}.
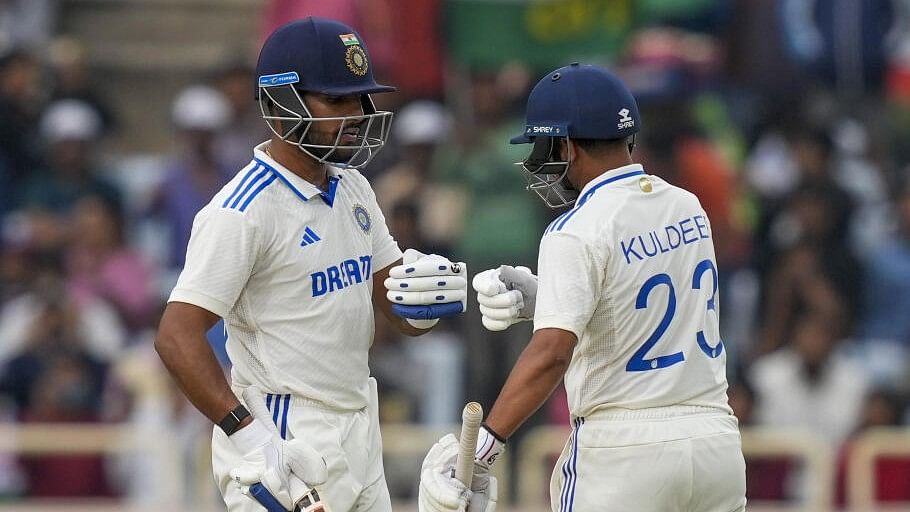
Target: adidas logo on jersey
{"points": [[309, 237]]}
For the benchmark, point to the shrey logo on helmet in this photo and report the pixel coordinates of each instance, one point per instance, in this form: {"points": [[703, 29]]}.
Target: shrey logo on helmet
{"points": [[624, 120]]}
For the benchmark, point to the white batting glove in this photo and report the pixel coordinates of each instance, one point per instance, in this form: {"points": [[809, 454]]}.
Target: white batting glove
{"points": [[439, 490], [507, 295], [288, 470], [427, 287]]}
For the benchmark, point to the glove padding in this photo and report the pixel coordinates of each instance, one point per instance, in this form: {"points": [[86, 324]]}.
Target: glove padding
{"points": [[427, 287], [507, 295], [439, 490], [287, 470]]}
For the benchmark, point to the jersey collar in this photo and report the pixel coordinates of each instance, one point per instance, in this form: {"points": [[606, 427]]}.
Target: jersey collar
{"points": [[299, 186], [608, 177]]}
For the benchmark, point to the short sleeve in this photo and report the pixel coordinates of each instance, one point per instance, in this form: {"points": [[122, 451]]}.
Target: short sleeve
{"points": [[570, 279], [219, 260], [385, 248]]}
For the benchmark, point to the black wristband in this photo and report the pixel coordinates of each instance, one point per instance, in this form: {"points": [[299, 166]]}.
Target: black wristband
{"points": [[230, 423], [493, 433]]}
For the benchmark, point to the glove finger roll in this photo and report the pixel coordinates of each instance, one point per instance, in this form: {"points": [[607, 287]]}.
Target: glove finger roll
{"points": [[423, 298], [424, 284], [501, 300], [509, 313], [495, 325], [429, 266]]}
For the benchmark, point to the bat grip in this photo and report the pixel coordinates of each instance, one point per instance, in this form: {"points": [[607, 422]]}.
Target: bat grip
{"points": [[470, 426]]}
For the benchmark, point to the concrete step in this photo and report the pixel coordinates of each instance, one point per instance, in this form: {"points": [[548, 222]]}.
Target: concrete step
{"points": [[143, 52]]}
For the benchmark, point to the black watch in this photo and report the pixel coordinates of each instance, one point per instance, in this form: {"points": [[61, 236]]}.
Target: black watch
{"points": [[230, 423]]}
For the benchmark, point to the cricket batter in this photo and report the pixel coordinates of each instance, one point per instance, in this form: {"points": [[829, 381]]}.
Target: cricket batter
{"points": [[625, 310], [288, 253]]}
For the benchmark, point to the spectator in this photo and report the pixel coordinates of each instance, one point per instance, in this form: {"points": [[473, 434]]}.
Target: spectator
{"points": [[196, 172], [814, 271], [71, 74], [420, 128], [71, 130], [244, 127], [96, 323], [19, 99], [810, 385], [55, 379], [887, 286], [101, 267]]}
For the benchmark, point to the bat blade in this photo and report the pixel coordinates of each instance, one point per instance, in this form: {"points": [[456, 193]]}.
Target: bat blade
{"points": [[471, 417]]}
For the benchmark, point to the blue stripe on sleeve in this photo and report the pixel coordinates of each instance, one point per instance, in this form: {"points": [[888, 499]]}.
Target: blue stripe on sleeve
{"points": [[257, 191], [249, 186], [556, 221], [240, 186]]}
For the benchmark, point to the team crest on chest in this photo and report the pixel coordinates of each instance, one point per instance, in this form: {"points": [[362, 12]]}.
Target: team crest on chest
{"points": [[362, 217], [356, 59]]}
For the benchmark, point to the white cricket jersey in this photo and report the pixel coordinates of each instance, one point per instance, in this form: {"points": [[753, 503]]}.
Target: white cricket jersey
{"points": [[630, 270], [289, 267]]}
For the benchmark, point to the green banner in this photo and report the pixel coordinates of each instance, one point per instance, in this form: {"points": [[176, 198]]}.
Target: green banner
{"points": [[542, 33]]}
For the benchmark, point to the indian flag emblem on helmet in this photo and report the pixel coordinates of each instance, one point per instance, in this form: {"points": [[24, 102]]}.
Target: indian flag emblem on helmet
{"points": [[349, 39], [356, 59]]}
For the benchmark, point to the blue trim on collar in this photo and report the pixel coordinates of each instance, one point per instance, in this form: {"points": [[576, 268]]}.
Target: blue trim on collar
{"points": [[329, 197], [285, 180], [587, 195]]}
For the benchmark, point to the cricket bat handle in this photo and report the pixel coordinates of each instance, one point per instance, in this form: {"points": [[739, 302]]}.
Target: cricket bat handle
{"points": [[471, 417]]}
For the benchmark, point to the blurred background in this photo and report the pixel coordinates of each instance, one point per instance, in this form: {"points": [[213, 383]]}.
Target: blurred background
{"points": [[790, 119]]}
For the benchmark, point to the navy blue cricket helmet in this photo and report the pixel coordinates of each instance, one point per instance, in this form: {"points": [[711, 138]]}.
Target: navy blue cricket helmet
{"points": [[578, 101], [324, 56]]}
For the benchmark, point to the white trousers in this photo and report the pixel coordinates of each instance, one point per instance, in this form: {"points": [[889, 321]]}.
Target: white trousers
{"points": [[673, 459], [348, 440]]}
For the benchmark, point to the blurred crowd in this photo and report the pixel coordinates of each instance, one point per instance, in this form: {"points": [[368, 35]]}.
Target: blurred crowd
{"points": [[789, 122]]}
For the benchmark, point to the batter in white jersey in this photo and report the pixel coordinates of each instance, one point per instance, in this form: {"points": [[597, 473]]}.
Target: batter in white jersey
{"points": [[624, 310], [630, 271], [287, 254], [289, 267]]}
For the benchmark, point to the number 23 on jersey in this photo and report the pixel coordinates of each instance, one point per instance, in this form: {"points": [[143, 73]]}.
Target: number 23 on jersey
{"points": [[640, 362]]}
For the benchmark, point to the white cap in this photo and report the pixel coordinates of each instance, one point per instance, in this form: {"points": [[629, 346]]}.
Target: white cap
{"points": [[421, 122], [200, 108], [70, 119]]}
